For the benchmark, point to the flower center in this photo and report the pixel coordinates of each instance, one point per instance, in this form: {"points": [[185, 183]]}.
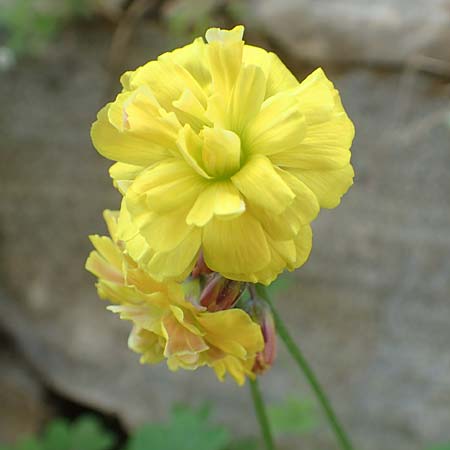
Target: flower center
{"points": [[221, 152]]}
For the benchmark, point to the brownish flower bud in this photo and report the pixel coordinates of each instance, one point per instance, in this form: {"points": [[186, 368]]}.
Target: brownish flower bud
{"points": [[220, 293], [260, 312], [200, 267]]}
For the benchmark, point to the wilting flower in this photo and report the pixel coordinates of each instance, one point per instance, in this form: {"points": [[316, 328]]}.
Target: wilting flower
{"points": [[221, 151], [168, 323]]}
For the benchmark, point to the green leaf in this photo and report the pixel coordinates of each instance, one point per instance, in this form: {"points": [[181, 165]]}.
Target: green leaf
{"points": [[86, 433], [186, 430], [293, 416], [440, 447]]}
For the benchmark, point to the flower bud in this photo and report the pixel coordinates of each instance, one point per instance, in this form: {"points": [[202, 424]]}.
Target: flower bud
{"points": [[260, 312], [220, 293], [200, 267]]}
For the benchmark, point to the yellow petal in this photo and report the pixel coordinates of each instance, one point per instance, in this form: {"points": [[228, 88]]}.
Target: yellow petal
{"points": [[166, 79], [123, 174], [237, 245], [180, 340], [259, 182], [220, 199], [316, 97], [224, 53], [247, 97], [127, 147], [148, 344], [178, 263], [221, 152], [305, 206], [232, 331], [143, 115], [193, 58], [190, 146], [166, 187], [147, 315], [107, 249], [226, 36], [326, 146], [279, 77], [328, 185], [303, 245], [190, 110], [111, 218], [101, 268], [279, 126], [164, 232]]}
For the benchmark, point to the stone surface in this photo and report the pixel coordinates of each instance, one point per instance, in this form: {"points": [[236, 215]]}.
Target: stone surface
{"points": [[370, 308], [387, 32], [22, 400]]}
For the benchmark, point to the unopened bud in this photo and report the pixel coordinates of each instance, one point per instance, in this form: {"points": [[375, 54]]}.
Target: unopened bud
{"points": [[200, 267], [221, 293], [260, 312]]}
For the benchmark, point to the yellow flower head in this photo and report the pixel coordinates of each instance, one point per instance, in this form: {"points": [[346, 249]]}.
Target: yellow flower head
{"points": [[221, 150], [167, 321]]}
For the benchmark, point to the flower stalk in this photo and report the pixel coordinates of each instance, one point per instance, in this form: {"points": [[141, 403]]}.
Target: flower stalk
{"points": [[261, 414], [304, 366]]}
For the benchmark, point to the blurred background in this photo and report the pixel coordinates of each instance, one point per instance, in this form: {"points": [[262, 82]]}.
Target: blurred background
{"points": [[371, 308]]}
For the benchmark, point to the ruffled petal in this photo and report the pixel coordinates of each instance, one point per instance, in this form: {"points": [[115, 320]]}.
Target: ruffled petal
{"points": [[166, 79], [279, 77], [220, 199], [193, 58], [180, 340], [303, 245], [325, 146], [232, 331], [224, 57], [190, 110], [279, 126], [165, 187], [221, 153], [237, 245], [328, 185], [316, 97], [190, 146], [148, 344], [177, 263], [164, 232], [124, 174], [305, 206], [124, 146], [260, 184], [247, 97]]}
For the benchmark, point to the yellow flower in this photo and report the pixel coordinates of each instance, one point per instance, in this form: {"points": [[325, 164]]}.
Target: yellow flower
{"points": [[221, 150], [167, 321]]}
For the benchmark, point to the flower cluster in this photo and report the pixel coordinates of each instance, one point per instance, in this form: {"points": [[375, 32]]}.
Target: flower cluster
{"points": [[223, 159], [167, 320]]}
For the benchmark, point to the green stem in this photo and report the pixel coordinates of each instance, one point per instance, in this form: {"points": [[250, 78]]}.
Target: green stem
{"points": [[301, 361], [261, 415]]}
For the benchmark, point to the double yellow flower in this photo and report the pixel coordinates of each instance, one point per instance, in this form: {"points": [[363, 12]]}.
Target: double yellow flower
{"points": [[222, 153]]}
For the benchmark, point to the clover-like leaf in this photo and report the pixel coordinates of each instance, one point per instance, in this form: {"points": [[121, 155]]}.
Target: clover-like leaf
{"points": [[85, 433], [187, 430]]}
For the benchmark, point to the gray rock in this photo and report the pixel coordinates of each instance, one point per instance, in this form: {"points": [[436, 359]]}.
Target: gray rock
{"points": [[386, 32], [21, 398], [370, 308]]}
